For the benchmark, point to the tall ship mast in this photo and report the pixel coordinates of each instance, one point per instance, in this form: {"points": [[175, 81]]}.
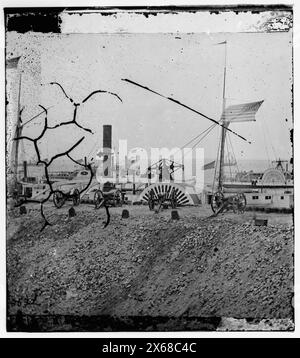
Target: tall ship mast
{"points": [[13, 156], [231, 114], [269, 190], [225, 124]]}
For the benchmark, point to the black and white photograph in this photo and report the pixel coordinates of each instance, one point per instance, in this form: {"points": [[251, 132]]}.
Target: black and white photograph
{"points": [[149, 168]]}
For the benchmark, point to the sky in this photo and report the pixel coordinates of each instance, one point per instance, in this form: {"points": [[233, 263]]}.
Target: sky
{"points": [[185, 66]]}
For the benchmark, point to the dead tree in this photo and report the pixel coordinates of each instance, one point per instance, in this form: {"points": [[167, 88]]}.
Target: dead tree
{"points": [[66, 153]]}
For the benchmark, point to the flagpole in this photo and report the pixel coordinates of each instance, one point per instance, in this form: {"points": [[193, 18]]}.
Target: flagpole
{"points": [[223, 132], [17, 134]]}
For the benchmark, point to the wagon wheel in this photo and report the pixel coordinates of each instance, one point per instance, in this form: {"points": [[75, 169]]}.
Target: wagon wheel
{"points": [[59, 198], [217, 200], [235, 204], [151, 204], [173, 200], [76, 197], [98, 199], [242, 202], [162, 202], [173, 203], [117, 198]]}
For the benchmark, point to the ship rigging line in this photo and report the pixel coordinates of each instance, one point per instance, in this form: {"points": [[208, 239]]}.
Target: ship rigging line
{"points": [[195, 145], [215, 171], [264, 125], [34, 117], [227, 147], [197, 136], [43, 111], [185, 106], [203, 134], [231, 145]]}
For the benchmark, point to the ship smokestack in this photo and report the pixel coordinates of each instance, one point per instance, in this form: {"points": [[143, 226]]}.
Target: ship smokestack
{"points": [[107, 159]]}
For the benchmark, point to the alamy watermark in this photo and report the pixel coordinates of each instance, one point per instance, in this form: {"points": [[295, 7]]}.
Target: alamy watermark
{"points": [[141, 166]]}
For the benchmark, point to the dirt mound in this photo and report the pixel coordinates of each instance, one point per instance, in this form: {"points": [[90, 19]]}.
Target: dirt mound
{"points": [[149, 265]]}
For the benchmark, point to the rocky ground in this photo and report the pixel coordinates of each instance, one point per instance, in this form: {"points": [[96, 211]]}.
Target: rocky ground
{"points": [[150, 266]]}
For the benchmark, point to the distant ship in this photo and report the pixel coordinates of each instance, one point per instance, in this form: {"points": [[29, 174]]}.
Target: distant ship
{"points": [[271, 189]]}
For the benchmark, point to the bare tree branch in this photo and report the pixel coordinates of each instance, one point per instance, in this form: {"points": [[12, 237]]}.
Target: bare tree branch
{"points": [[101, 91], [61, 87], [107, 215], [66, 153], [24, 137], [76, 105], [46, 222], [91, 178], [75, 161]]}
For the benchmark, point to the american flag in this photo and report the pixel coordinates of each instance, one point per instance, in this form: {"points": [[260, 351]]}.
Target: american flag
{"points": [[12, 62], [241, 112], [210, 165]]}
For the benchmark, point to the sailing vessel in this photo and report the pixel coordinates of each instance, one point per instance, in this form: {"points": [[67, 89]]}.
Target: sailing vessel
{"points": [[236, 113], [272, 189]]}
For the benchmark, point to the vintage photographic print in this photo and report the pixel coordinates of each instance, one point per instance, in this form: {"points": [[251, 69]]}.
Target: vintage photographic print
{"points": [[149, 169]]}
